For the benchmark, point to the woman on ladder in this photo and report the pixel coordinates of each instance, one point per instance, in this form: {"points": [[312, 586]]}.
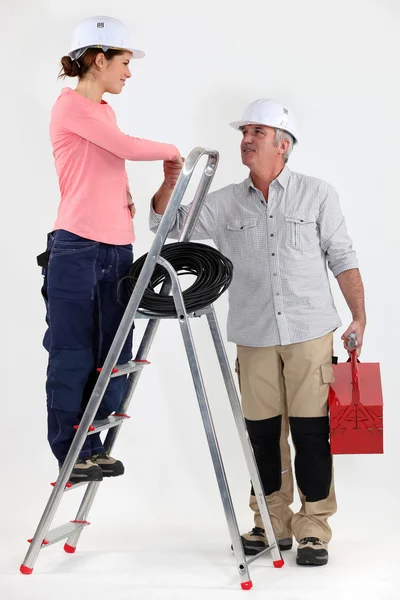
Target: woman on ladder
{"points": [[90, 248]]}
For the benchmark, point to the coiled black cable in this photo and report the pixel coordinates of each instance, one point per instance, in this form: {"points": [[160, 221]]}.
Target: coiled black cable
{"points": [[212, 269]]}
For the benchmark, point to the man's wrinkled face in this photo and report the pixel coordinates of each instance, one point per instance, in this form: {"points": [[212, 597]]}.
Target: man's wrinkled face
{"points": [[257, 146]]}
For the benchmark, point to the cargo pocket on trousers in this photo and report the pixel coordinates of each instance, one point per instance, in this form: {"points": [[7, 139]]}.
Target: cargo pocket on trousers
{"points": [[327, 377]]}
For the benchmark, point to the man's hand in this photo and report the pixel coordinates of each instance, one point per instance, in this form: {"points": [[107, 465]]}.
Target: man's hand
{"points": [[357, 327], [172, 170]]}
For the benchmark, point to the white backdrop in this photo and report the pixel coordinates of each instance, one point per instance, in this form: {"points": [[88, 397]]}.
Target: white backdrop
{"points": [[336, 65]]}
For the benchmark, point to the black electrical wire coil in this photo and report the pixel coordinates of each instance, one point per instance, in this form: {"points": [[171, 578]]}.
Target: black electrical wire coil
{"points": [[212, 269]]}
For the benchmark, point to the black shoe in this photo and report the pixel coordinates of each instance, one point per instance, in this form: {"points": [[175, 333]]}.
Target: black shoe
{"points": [[110, 467], [85, 470], [255, 542], [312, 551]]}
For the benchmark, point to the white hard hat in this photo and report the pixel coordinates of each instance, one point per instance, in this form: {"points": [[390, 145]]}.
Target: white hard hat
{"points": [[101, 32], [270, 113]]}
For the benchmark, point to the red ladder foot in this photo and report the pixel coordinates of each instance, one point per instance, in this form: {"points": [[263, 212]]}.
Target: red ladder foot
{"points": [[69, 549], [278, 564], [25, 570], [247, 585]]}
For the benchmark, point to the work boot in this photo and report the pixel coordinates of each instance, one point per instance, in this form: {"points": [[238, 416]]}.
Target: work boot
{"points": [[85, 470], [110, 467], [255, 542], [312, 551]]}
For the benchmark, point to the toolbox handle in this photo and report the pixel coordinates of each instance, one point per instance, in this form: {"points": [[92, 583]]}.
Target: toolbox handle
{"points": [[333, 400], [352, 346], [354, 368]]}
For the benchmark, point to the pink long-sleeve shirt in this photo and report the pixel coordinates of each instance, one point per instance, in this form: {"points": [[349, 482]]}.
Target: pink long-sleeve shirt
{"points": [[90, 152]]}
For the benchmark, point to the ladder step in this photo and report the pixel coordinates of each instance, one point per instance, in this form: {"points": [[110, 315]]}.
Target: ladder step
{"points": [[126, 368], [145, 314], [62, 532], [129, 367], [108, 423], [72, 486]]}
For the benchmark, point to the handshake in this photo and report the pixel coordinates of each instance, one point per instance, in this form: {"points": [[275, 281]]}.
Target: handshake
{"points": [[172, 170]]}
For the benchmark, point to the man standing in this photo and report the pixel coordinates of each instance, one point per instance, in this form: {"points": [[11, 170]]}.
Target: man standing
{"points": [[281, 230]]}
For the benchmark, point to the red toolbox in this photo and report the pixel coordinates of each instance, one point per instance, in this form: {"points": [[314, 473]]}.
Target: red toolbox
{"points": [[356, 408]]}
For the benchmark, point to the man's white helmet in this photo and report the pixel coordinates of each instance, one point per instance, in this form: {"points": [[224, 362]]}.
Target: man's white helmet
{"points": [[101, 32], [270, 113]]}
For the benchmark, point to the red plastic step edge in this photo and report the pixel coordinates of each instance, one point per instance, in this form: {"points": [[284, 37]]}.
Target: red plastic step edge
{"points": [[44, 543]]}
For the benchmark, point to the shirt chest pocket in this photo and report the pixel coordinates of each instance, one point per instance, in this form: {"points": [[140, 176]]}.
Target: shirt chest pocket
{"points": [[244, 237], [302, 233]]}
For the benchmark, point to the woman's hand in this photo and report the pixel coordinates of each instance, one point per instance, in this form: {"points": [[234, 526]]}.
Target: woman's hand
{"points": [[132, 209]]}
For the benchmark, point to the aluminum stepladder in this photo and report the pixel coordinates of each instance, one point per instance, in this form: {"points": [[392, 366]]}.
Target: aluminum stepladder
{"points": [[71, 531]]}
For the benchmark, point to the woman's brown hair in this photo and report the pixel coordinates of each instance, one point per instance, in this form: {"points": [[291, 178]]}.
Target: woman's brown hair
{"points": [[79, 68]]}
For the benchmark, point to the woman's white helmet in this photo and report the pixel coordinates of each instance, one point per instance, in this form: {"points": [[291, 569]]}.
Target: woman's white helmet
{"points": [[270, 113], [101, 32]]}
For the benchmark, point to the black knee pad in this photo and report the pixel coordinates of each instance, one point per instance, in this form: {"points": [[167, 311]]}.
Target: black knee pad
{"points": [[265, 439], [313, 462]]}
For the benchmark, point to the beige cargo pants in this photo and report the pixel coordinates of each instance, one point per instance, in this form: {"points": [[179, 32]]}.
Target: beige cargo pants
{"points": [[286, 387]]}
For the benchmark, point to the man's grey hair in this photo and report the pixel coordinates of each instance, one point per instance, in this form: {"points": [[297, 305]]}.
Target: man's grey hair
{"points": [[284, 135]]}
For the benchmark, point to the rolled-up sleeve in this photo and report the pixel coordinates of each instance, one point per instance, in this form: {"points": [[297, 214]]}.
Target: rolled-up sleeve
{"points": [[206, 223], [335, 241]]}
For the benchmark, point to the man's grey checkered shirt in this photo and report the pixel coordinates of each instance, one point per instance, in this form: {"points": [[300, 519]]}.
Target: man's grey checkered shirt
{"points": [[280, 249]]}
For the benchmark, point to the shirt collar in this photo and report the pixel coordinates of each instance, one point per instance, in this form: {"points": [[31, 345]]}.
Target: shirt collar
{"points": [[282, 179]]}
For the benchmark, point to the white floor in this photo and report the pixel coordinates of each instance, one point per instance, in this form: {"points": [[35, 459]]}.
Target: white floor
{"points": [[181, 565]]}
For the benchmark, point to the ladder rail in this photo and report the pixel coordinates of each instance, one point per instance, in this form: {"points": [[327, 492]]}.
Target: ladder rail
{"points": [[208, 423], [243, 434], [199, 197]]}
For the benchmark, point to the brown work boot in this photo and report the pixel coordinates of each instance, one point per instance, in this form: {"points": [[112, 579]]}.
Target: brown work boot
{"points": [[312, 551], [85, 470], [110, 467]]}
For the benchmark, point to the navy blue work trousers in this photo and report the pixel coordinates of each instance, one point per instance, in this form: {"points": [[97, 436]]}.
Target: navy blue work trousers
{"points": [[83, 315]]}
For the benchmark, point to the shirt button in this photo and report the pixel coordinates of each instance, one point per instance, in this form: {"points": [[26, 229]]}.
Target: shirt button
{"points": [[279, 313], [271, 216], [275, 274], [273, 254], [276, 293], [272, 235]]}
